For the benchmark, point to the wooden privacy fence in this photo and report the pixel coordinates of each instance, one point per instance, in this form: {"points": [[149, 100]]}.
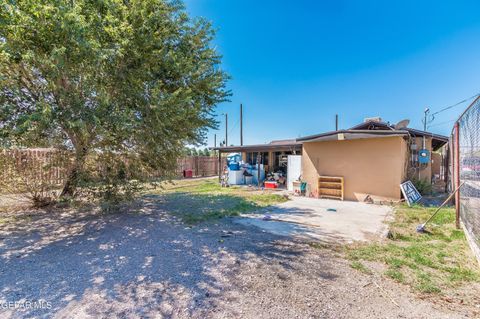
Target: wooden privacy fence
{"points": [[46, 165], [200, 165], [51, 166]]}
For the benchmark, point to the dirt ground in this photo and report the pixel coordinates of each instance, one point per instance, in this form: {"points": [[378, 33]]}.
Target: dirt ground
{"points": [[146, 263]]}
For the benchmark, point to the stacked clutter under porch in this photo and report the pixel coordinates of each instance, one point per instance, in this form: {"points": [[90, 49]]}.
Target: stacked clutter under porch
{"points": [[273, 165]]}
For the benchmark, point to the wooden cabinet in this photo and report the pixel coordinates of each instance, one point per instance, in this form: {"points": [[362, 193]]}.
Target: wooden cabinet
{"points": [[330, 187]]}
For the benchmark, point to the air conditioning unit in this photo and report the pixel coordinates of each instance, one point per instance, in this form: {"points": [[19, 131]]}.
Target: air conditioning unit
{"points": [[377, 119]]}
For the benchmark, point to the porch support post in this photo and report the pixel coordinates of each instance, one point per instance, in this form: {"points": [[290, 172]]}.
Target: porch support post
{"points": [[270, 161], [244, 157]]}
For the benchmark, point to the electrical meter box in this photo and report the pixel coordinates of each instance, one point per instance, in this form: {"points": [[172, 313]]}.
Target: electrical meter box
{"points": [[423, 156]]}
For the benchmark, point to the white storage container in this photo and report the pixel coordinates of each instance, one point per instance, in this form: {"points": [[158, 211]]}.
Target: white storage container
{"points": [[235, 177]]}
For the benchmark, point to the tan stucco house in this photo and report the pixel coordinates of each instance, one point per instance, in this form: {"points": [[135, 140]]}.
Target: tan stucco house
{"points": [[373, 158]]}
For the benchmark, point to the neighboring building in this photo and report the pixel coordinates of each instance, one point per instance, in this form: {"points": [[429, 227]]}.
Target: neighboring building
{"points": [[373, 158]]}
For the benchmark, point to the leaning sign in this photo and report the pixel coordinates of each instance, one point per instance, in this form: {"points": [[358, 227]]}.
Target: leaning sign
{"points": [[410, 193]]}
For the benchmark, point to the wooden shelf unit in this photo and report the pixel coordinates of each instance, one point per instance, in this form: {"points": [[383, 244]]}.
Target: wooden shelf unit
{"points": [[330, 187]]}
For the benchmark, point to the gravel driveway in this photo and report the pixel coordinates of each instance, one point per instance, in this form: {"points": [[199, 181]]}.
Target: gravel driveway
{"points": [[147, 264]]}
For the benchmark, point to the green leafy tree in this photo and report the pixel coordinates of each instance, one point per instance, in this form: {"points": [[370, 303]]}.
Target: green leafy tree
{"points": [[135, 78], [206, 152], [187, 151]]}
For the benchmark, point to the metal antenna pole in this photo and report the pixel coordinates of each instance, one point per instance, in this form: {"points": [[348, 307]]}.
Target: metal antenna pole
{"points": [[427, 110]]}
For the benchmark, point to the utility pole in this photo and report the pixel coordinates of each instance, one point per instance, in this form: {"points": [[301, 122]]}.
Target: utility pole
{"points": [[336, 122], [241, 124], [214, 140], [226, 129]]}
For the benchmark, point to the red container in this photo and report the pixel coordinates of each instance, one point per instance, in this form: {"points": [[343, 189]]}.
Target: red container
{"points": [[271, 184], [187, 173]]}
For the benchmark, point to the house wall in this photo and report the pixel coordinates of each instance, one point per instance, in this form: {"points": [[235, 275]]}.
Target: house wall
{"points": [[373, 166], [436, 164]]}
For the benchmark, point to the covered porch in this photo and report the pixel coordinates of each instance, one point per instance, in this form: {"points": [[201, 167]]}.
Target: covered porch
{"points": [[273, 157]]}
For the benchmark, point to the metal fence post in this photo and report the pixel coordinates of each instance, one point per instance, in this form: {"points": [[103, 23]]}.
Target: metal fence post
{"points": [[456, 162]]}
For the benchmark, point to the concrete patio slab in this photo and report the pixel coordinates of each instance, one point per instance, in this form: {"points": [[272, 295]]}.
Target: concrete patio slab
{"points": [[323, 219]]}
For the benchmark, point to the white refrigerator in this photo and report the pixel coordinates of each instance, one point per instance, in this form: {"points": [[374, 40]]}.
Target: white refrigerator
{"points": [[294, 170]]}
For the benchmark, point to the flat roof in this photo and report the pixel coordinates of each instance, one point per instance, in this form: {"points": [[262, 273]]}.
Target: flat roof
{"points": [[353, 134], [377, 129], [387, 126], [357, 132], [279, 145]]}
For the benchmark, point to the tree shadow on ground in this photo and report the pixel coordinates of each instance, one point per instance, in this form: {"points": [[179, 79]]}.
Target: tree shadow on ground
{"points": [[139, 263], [195, 208]]}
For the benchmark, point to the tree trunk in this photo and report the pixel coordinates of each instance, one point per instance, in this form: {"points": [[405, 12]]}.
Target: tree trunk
{"points": [[74, 174]]}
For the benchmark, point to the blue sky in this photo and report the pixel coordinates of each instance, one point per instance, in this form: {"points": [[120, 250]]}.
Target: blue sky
{"points": [[295, 64]]}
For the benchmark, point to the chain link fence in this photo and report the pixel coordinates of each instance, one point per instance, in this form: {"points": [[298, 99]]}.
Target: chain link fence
{"points": [[466, 171]]}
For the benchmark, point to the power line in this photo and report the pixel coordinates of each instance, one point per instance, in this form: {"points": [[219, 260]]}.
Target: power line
{"points": [[234, 126], [441, 123], [458, 103], [432, 116]]}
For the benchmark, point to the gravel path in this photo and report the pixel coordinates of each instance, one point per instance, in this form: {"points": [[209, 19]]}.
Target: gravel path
{"points": [[146, 264]]}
